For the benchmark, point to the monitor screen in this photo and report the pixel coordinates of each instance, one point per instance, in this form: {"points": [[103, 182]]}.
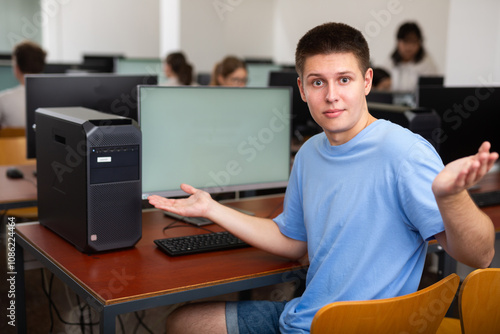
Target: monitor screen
{"points": [[469, 116], [7, 78], [150, 66], [109, 93], [258, 74], [220, 139]]}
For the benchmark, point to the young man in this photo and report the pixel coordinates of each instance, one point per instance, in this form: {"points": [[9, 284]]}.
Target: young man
{"points": [[363, 199], [27, 58]]}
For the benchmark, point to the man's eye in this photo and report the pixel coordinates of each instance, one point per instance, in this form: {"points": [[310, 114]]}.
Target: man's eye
{"points": [[344, 80], [317, 82]]}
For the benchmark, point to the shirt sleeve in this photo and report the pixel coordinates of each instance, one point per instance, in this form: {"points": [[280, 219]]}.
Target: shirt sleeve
{"points": [[291, 220], [417, 172]]}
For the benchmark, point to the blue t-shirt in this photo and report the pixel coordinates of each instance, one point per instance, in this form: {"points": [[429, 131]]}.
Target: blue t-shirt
{"points": [[366, 210]]}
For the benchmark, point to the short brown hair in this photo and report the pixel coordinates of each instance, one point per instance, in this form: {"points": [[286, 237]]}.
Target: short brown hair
{"points": [[30, 57], [332, 38]]}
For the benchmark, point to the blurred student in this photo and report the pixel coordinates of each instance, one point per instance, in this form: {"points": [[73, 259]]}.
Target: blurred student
{"points": [[27, 58], [177, 70], [409, 60], [230, 72]]}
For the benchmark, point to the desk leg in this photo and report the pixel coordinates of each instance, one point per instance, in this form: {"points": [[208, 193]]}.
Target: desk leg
{"points": [[107, 321], [20, 291]]}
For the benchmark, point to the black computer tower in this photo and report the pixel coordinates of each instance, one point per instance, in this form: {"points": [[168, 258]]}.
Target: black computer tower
{"points": [[89, 177]]}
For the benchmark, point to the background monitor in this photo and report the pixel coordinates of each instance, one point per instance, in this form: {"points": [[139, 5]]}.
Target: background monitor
{"points": [[146, 66], [109, 93], [220, 139], [431, 80], [303, 124], [469, 116], [378, 96], [100, 63], [258, 73], [7, 78]]}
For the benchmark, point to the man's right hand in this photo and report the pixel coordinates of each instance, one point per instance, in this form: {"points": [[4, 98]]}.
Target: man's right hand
{"points": [[196, 205]]}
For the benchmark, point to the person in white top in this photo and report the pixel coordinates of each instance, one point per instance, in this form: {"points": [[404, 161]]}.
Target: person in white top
{"points": [[177, 70], [27, 58], [409, 60]]}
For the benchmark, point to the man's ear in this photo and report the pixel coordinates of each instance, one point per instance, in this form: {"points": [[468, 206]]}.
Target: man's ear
{"points": [[301, 89], [368, 80]]}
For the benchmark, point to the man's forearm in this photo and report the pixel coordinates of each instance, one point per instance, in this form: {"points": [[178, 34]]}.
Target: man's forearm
{"points": [[469, 233], [262, 233]]}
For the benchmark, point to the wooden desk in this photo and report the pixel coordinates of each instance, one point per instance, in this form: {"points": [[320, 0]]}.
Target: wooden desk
{"points": [[144, 277], [18, 193]]}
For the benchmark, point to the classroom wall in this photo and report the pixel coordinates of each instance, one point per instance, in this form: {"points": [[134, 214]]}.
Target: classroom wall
{"points": [[207, 30], [270, 29], [78, 27], [473, 54], [378, 20], [210, 30]]}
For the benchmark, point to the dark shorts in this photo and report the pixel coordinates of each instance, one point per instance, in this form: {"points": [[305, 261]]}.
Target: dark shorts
{"points": [[253, 317]]}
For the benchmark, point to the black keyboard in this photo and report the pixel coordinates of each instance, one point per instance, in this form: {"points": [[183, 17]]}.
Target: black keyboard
{"points": [[200, 243], [487, 198]]}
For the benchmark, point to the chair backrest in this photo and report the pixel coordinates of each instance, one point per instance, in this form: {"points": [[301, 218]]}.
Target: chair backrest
{"points": [[479, 302], [12, 132], [418, 312]]}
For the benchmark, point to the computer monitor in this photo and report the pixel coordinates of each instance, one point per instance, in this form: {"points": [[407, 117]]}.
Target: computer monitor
{"points": [[7, 78], [431, 80], [258, 73], [303, 125], [149, 66], [378, 96], [469, 116], [100, 63], [220, 139], [110, 93]]}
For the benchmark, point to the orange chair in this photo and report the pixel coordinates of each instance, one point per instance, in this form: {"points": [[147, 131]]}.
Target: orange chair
{"points": [[478, 305], [418, 312], [12, 132]]}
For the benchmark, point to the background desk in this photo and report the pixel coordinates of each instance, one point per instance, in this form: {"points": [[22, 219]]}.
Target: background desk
{"points": [[18, 193], [144, 277]]}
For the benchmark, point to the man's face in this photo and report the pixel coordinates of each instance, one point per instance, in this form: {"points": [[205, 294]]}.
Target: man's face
{"points": [[335, 88]]}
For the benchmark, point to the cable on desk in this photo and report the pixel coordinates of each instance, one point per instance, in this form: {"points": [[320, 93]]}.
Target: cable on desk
{"points": [[30, 181]]}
